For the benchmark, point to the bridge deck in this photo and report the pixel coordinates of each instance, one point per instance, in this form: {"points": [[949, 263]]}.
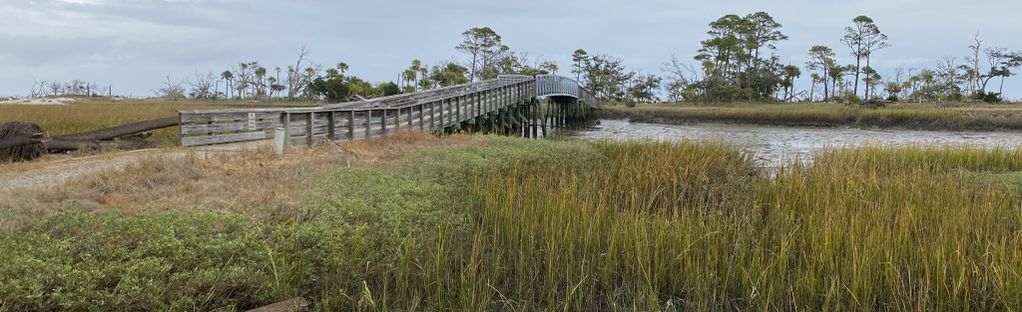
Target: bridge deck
{"points": [[508, 99]]}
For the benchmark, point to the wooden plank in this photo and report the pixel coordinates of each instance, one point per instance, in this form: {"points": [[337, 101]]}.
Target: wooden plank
{"points": [[225, 138], [222, 117], [205, 129]]}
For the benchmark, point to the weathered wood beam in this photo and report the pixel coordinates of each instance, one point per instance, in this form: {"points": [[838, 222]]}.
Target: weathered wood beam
{"points": [[119, 131]]}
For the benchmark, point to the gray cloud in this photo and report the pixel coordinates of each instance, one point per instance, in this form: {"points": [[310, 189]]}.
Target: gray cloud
{"points": [[133, 44]]}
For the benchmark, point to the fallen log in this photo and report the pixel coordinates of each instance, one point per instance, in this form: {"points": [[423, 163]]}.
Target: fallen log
{"points": [[21, 141], [27, 141], [123, 130], [61, 145], [18, 141]]}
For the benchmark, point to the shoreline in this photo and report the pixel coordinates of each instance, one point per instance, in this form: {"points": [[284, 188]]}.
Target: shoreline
{"points": [[927, 119]]}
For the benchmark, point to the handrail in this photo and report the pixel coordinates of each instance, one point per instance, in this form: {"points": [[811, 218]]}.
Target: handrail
{"points": [[449, 105]]}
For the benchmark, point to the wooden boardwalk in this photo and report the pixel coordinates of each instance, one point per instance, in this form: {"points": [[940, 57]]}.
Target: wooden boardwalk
{"points": [[509, 105]]}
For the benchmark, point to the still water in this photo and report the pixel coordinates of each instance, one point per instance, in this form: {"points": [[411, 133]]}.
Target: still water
{"points": [[773, 146]]}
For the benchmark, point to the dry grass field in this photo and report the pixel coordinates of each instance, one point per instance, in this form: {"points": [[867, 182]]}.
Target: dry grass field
{"points": [[85, 114]]}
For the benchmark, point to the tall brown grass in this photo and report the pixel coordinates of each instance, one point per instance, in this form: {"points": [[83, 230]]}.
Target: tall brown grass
{"points": [[683, 226]]}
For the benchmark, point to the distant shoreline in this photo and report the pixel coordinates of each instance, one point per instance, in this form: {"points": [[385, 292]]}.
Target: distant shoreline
{"points": [[909, 117]]}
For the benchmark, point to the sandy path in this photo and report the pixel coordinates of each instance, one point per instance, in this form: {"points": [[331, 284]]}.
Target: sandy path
{"points": [[59, 171]]}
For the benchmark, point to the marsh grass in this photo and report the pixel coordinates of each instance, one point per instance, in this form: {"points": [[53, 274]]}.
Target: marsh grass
{"points": [[830, 115], [524, 225], [866, 229]]}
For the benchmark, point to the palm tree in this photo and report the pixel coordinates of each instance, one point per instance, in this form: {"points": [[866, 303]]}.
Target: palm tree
{"points": [[272, 86], [342, 67], [260, 73], [415, 69], [812, 89], [424, 71], [227, 76], [410, 76], [243, 81]]}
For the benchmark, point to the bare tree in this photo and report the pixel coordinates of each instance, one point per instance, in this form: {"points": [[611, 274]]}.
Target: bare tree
{"points": [[679, 76], [975, 71], [295, 80], [171, 90], [204, 87]]}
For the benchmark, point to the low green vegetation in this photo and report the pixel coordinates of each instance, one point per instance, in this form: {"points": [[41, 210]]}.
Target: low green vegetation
{"points": [[516, 224], [827, 115]]}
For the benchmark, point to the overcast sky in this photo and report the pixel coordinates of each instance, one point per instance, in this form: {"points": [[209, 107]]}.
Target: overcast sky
{"points": [[134, 44]]}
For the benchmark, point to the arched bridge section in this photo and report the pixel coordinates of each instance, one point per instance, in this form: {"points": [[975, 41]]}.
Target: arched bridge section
{"points": [[508, 104], [558, 86]]}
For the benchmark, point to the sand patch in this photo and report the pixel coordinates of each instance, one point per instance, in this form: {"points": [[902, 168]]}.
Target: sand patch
{"points": [[38, 101]]}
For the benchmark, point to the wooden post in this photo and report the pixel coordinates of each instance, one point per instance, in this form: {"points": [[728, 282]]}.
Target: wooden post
{"points": [[351, 125], [332, 131], [397, 120], [546, 116], [478, 103], [443, 124], [422, 121], [308, 128], [535, 115], [286, 122], [369, 122], [432, 116], [383, 122]]}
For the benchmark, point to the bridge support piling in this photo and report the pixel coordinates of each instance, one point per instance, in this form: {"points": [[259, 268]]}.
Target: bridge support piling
{"points": [[536, 110]]}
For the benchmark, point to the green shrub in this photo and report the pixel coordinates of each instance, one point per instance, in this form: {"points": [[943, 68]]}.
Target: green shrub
{"points": [[191, 260]]}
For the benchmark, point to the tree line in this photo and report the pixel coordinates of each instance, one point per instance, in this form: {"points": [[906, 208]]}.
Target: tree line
{"points": [[734, 65], [738, 61]]}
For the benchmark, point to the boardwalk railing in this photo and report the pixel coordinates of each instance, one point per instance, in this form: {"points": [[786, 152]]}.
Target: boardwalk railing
{"points": [[432, 110], [553, 85]]}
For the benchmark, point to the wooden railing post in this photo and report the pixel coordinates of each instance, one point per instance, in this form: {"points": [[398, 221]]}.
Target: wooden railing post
{"points": [[457, 107], [351, 125], [308, 128], [432, 116], [369, 123], [286, 124], [422, 120], [383, 122], [332, 131], [410, 119], [397, 120], [478, 104]]}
